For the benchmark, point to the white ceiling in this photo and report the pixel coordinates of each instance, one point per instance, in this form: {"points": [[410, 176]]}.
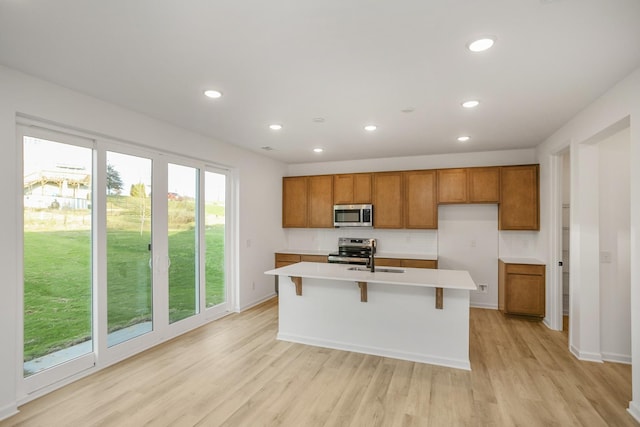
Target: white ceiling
{"points": [[351, 62]]}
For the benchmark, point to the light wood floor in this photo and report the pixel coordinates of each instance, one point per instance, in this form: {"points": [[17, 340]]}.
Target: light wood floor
{"points": [[234, 372]]}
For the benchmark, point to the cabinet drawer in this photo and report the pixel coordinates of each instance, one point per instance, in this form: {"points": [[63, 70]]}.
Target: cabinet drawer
{"points": [[289, 258], [313, 258], [537, 270], [419, 263], [389, 262]]}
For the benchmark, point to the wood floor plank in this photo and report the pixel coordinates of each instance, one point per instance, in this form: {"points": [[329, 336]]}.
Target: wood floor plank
{"points": [[233, 372]]}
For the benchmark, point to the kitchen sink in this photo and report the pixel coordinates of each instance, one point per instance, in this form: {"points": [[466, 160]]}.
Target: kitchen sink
{"points": [[377, 269]]}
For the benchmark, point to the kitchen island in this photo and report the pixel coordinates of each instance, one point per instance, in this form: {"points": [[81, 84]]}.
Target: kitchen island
{"points": [[414, 314]]}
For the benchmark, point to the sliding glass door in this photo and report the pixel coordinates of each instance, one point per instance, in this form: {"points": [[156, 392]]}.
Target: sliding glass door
{"points": [[57, 252], [129, 247], [215, 237], [183, 232], [122, 248]]}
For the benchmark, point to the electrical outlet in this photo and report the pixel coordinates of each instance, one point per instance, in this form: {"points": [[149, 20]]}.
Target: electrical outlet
{"points": [[482, 288], [605, 257]]}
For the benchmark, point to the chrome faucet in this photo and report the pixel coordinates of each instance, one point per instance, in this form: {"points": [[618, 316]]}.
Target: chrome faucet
{"points": [[372, 261]]}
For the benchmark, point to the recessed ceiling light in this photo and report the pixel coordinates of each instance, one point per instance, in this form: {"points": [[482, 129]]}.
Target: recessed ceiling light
{"points": [[408, 110], [267, 148], [471, 103], [275, 126], [318, 150], [464, 138], [318, 119], [481, 44], [212, 93], [370, 128]]}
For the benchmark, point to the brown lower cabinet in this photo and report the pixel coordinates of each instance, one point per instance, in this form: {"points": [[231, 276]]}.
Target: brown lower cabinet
{"points": [[408, 263], [283, 260], [521, 289]]}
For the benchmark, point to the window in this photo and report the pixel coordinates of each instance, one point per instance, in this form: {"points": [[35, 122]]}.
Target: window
{"points": [[109, 266]]}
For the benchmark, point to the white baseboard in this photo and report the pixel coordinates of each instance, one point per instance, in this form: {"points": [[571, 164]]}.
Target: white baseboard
{"points": [[257, 302], [586, 356], [375, 351], [8, 411], [617, 358], [634, 410], [483, 305]]}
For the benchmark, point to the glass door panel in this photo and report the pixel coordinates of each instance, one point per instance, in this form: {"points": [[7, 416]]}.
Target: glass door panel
{"points": [[129, 256], [57, 253], [183, 241], [214, 210]]}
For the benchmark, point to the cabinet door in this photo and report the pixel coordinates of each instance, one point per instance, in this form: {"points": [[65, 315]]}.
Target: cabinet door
{"points": [[387, 200], [484, 185], [362, 188], [294, 201], [519, 198], [352, 188], [320, 198], [343, 189], [452, 186], [421, 209], [525, 294]]}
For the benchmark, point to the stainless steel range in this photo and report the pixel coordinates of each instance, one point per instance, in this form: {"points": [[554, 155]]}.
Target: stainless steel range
{"points": [[354, 251]]}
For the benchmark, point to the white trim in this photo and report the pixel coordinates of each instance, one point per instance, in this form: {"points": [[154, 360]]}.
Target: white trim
{"points": [[617, 358], [255, 302], [634, 410], [377, 351], [484, 305], [586, 356], [554, 273], [8, 411]]}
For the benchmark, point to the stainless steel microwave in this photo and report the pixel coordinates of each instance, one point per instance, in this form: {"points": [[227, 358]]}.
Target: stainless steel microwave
{"points": [[353, 215]]}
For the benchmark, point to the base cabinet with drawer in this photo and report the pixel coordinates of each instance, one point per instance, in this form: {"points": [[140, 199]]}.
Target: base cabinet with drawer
{"points": [[408, 263], [521, 289]]}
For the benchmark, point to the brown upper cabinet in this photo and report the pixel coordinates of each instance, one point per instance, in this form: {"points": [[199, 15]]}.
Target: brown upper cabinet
{"points": [[352, 188], [307, 201], [294, 201], [452, 186], [469, 185], [388, 200], [409, 199], [320, 199], [420, 207], [519, 198], [405, 199]]}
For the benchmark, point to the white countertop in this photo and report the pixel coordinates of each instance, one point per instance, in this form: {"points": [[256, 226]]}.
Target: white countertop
{"points": [[421, 277], [514, 260]]}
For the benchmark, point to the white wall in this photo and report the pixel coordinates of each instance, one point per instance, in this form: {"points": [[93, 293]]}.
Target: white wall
{"points": [[621, 104], [438, 161], [615, 310], [468, 240], [259, 182]]}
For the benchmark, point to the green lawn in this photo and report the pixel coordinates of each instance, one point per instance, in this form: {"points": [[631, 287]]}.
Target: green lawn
{"points": [[57, 268]]}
